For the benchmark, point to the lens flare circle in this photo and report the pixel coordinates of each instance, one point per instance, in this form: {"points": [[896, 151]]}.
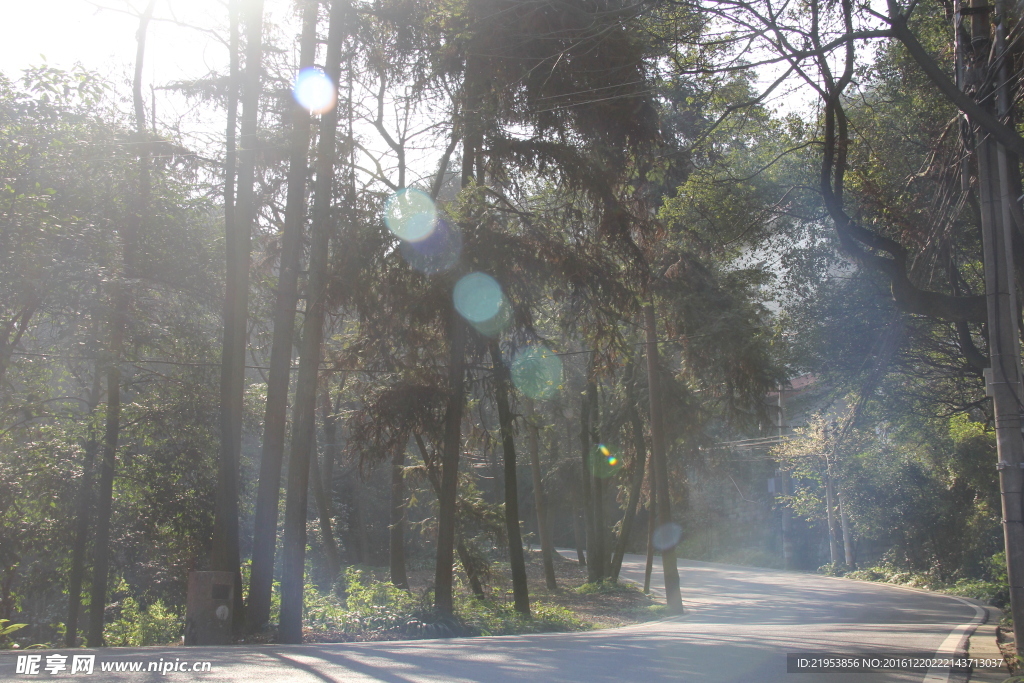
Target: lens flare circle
{"points": [[667, 536], [495, 325], [410, 215], [477, 297], [437, 253], [605, 460], [537, 372], [313, 90]]}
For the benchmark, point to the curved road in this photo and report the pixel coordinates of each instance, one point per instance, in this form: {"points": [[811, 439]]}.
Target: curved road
{"points": [[739, 624]]}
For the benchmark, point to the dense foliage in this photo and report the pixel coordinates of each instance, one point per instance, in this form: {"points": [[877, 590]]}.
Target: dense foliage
{"points": [[587, 164]]}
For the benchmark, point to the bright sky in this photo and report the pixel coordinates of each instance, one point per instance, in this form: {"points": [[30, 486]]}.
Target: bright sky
{"points": [[100, 34], [66, 31]]}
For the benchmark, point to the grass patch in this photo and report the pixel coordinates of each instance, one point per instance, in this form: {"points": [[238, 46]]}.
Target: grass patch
{"points": [[605, 587]]}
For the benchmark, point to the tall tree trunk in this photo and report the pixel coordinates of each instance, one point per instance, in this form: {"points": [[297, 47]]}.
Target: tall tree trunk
{"points": [[323, 487], [264, 543], [101, 543], [451, 448], [520, 592], [547, 548], [599, 551], [579, 534], [304, 415], [83, 508], [362, 537], [844, 522], [593, 561], [224, 554], [652, 524], [120, 300], [673, 598], [833, 544], [330, 445], [455, 331], [639, 463], [465, 557], [332, 555], [396, 527]]}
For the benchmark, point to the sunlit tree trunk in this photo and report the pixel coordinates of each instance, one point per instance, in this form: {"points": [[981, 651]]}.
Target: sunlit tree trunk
{"points": [[238, 236], [272, 456], [844, 521], [304, 416], [833, 544]]}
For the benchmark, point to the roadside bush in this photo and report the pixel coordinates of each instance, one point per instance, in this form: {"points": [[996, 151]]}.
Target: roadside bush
{"points": [[994, 592], [135, 626]]}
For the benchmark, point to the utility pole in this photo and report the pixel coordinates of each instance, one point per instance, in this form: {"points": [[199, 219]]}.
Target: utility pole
{"points": [[974, 69]]}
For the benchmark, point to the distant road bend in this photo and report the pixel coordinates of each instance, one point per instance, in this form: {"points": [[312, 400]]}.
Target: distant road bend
{"points": [[739, 625]]}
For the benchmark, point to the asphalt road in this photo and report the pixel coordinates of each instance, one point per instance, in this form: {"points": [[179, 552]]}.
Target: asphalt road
{"points": [[739, 625]]}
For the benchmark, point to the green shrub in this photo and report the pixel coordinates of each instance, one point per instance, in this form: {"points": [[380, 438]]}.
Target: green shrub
{"points": [[376, 610], [994, 592], [991, 592], [134, 626], [7, 628], [488, 618]]}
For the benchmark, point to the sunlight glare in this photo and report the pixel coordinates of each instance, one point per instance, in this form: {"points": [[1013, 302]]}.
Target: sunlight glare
{"points": [[313, 90], [667, 536]]}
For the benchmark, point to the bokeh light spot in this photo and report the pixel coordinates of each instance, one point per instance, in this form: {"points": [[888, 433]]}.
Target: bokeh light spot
{"points": [[313, 90], [477, 297], [410, 215], [437, 253], [537, 372], [667, 536], [605, 461], [494, 326]]}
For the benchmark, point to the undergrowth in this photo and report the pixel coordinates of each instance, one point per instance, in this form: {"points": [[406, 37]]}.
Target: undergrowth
{"points": [[377, 610], [994, 592]]}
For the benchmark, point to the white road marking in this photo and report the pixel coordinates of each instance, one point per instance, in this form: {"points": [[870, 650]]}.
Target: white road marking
{"points": [[952, 645]]}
